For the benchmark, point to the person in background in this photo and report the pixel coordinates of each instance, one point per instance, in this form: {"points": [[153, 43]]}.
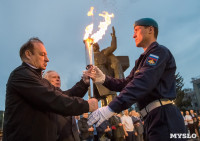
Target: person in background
{"points": [[195, 124], [67, 128], [128, 126], [104, 131], [139, 129], [117, 128], [185, 121], [86, 131], [190, 122]]}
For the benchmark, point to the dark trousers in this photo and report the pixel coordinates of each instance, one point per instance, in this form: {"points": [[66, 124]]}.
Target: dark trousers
{"points": [[191, 128], [119, 139], [160, 122], [130, 136]]}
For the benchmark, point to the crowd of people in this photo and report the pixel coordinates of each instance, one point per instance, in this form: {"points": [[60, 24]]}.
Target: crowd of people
{"points": [[126, 126], [192, 122]]}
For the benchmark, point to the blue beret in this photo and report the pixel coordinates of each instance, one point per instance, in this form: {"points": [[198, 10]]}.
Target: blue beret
{"points": [[146, 22]]}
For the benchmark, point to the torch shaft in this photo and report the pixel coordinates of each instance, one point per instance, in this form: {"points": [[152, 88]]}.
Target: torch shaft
{"points": [[89, 60]]}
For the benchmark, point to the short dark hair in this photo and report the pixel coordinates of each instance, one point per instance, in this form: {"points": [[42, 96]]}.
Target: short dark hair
{"points": [[155, 31], [28, 46]]}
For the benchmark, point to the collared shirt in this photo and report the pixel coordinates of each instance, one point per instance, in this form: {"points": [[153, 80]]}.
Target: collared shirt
{"points": [[31, 66]]}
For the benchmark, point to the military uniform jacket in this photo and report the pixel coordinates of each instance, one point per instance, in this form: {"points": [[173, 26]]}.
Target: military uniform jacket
{"points": [[32, 104], [152, 78]]}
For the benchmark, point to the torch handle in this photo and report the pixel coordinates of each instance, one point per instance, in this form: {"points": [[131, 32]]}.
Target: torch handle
{"points": [[91, 89], [91, 83]]}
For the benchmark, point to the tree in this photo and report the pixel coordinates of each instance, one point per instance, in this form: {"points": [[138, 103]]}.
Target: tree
{"points": [[181, 93]]}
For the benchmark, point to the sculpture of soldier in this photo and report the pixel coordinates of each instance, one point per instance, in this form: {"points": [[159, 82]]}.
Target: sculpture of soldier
{"points": [[109, 65]]}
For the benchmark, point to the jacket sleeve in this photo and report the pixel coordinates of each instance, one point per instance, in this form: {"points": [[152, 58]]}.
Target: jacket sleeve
{"points": [[45, 97], [78, 90], [143, 82], [117, 85]]}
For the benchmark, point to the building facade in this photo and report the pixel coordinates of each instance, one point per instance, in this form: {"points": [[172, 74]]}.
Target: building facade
{"points": [[196, 88]]}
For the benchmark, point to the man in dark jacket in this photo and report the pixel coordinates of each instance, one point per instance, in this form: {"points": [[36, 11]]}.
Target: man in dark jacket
{"points": [[67, 128], [151, 84], [117, 128], [32, 103], [86, 131]]}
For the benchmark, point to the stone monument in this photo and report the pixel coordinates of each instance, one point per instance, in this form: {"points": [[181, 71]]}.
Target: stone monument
{"points": [[110, 65]]}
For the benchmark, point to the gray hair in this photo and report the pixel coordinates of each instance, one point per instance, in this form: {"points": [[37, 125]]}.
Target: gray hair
{"points": [[46, 74]]}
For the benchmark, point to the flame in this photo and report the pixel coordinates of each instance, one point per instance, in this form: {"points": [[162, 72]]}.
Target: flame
{"points": [[88, 31], [102, 26], [90, 13]]}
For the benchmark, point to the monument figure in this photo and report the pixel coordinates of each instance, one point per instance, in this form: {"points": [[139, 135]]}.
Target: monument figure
{"points": [[110, 65]]}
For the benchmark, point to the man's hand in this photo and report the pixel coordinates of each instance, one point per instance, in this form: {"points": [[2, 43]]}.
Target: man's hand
{"points": [[93, 104], [100, 115], [86, 77], [96, 74], [91, 129], [120, 124], [126, 134]]}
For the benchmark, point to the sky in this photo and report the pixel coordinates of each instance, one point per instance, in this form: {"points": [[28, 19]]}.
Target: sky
{"points": [[60, 25]]}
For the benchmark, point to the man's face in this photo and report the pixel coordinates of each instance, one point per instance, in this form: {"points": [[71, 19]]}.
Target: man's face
{"points": [[133, 113], [54, 79], [85, 115], [126, 112], [39, 57], [141, 36]]}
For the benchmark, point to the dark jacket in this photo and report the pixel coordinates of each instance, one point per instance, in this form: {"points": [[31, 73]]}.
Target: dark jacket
{"points": [[152, 78], [67, 129], [32, 105], [138, 126], [83, 127], [119, 131], [101, 130]]}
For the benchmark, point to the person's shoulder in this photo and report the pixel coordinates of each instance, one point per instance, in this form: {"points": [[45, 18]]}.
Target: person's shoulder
{"points": [[162, 51], [160, 48], [22, 71]]}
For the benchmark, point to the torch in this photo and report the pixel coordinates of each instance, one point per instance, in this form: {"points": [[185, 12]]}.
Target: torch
{"points": [[94, 39], [89, 60]]}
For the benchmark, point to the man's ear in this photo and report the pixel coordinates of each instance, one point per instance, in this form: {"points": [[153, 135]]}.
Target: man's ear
{"points": [[28, 54], [151, 29]]}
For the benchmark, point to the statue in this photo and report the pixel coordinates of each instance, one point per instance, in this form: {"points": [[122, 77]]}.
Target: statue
{"points": [[109, 65]]}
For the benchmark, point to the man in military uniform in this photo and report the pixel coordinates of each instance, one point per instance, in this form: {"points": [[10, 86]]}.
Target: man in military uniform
{"points": [[151, 84]]}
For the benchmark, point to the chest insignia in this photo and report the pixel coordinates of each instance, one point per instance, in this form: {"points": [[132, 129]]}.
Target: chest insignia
{"points": [[152, 59]]}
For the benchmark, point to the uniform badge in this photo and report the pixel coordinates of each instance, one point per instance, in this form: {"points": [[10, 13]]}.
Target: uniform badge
{"points": [[152, 59]]}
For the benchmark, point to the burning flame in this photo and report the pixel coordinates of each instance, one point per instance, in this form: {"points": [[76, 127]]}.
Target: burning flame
{"points": [[90, 13], [102, 26], [88, 31]]}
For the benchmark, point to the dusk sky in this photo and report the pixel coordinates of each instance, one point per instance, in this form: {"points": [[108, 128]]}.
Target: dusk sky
{"points": [[61, 24]]}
